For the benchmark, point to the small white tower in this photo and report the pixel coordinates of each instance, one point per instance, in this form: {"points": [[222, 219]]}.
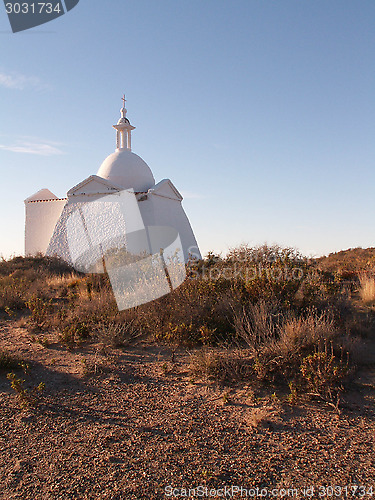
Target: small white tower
{"points": [[124, 130]]}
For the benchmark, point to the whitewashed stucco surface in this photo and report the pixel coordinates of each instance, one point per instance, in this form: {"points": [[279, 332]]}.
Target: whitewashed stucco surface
{"points": [[40, 221]]}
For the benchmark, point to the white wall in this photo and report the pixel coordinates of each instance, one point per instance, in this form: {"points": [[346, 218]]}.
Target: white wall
{"points": [[41, 219], [161, 211]]}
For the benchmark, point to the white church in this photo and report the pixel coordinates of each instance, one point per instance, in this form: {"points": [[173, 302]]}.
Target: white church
{"points": [[62, 227]]}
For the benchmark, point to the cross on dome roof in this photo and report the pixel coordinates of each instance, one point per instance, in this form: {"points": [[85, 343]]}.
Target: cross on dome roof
{"points": [[124, 129]]}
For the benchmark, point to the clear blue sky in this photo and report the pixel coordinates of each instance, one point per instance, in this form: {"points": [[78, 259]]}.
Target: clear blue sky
{"points": [[262, 112]]}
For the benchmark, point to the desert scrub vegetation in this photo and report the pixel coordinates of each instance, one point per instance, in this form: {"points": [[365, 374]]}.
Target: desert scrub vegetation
{"points": [[273, 309], [305, 353], [294, 322], [323, 372], [27, 398], [116, 334], [367, 288], [226, 366]]}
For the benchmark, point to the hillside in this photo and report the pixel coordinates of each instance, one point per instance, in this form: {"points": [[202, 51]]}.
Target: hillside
{"points": [[351, 260]]}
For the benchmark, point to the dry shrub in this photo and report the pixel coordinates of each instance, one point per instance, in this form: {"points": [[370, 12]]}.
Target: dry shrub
{"points": [[78, 323], [267, 272], [60, 285], [99, 365], [267, 328], [257, 324], [74, 333], [24, 278], [279, 340], [323, 371], [40, 311], [281, 348], [72, 306], [298, 334], [232, 365], [117, 334], [261, 417], [265, 254], [197, 312], [27, 398], [367, 288], [36, 266], [11, 296]]}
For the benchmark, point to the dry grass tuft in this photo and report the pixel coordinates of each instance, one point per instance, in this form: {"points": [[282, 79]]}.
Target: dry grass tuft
{"points": [[258, 417], [367, 289], [268, 330], [298, 334], [231, 365], [117, 334]]}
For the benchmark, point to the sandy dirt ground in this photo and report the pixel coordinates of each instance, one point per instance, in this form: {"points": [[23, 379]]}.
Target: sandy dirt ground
{"points": [[133, 424]]}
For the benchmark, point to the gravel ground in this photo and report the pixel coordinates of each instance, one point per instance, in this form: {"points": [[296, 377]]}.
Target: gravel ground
{"points": [[131, 424]]}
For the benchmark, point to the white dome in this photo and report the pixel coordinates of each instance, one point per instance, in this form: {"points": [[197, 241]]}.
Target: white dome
{"points": [[127, 170]]}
